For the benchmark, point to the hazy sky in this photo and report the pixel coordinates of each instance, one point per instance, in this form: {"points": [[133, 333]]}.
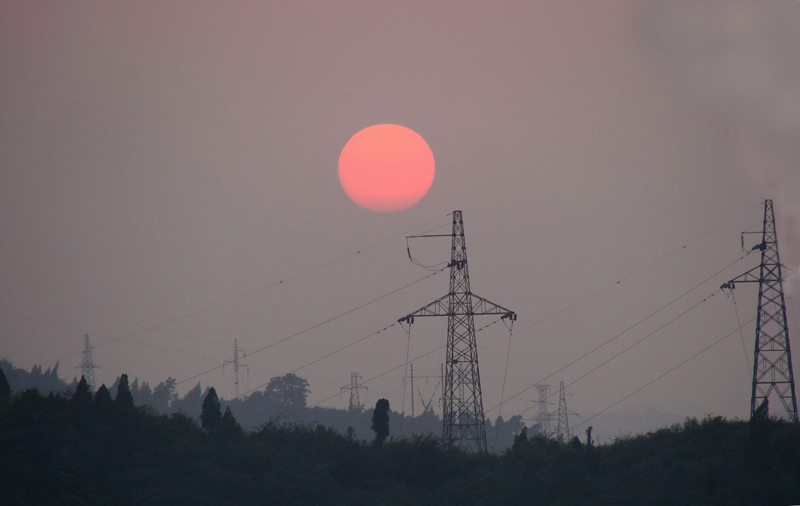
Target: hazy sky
{"points": [[165, 165]]}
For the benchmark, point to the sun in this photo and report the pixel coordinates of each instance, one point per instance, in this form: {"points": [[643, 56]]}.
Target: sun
{"points": [[386, 168]]}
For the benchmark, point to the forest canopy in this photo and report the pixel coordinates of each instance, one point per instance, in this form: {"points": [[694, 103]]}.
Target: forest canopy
{"points": [[87, 448]]}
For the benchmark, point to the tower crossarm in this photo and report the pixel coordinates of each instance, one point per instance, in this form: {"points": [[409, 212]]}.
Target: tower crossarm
{"points": [[751, 276], [479, 305]]}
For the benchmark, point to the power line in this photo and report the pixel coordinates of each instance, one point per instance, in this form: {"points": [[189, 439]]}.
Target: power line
{"points": [[646, 267], [665, 374], [629, 348], [325, 322], [744, 346], [82, 330], [246, 294], [114, 320], [626, 330], [403, 364]]}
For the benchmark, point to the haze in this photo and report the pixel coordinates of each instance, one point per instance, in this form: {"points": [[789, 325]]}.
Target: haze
{"points": [[169, 184]]}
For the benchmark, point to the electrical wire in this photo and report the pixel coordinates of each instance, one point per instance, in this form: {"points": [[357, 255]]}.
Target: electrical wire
{"points": [[625, 278], [102, 334], [405, 375], [316, 326], [114, 320], [626, 330], [254, 291], [663, 375], [744, 346], [505, 371], [505, 375], [417, 262], [388, 371], [629, 348]]}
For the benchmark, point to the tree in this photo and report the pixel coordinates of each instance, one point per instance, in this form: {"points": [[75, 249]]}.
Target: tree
{"points": [[758, 429], [82, 398], [380, 421], [124, 397], [228, 425], [5, 388], [164, 396], [102, 400], [521, 439], [211, 415], [190, 403], [141, 393], [288, 391]]}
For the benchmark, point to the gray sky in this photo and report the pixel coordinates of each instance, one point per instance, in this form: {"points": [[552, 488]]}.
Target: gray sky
{"points": [[165, 165]]}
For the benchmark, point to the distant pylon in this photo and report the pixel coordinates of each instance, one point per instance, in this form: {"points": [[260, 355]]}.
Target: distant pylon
{"points": [[772, 364], [562, 427], [237, 363], [542, 412], [87, 366], [355, 384], [463, 423]]}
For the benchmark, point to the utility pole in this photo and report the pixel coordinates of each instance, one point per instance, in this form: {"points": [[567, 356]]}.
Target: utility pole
{"points": [[87, 366], [355, 384], [463, 423], [542, 412], [412, 389], [562, 428], [236, 364], [772, 364]]}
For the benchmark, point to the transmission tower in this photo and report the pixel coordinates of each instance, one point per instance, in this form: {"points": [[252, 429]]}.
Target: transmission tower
{"points": [[463, 424], [237, 363], [87, 366], [355, 384], [562, 417], [542, 411], [772, 364]]}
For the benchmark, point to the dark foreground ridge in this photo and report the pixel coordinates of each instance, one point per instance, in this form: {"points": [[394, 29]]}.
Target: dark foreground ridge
{"points": [[91, 449]]}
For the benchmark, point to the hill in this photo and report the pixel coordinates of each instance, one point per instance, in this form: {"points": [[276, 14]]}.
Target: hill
{"points": [[90, 449]]}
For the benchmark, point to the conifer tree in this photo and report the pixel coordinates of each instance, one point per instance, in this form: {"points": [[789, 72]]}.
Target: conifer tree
{"points": [[82, 398], [5, 388], [102, 400], [211, 415], [228, 424], [124, 397], [380, 421]]}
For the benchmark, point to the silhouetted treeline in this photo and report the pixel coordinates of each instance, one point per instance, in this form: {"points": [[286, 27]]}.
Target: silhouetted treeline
{"points": [[282, 400], [99, 448], [43, 380]]}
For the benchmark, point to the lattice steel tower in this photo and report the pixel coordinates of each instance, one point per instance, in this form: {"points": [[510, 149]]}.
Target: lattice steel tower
{"points": [[562, 418], [355, 384], [543, 414], [772, 364], [87, 366], [237, 363], [463, 424]]}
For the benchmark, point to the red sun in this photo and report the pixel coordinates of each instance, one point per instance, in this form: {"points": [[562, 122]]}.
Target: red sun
{"points": [[386, 168]]}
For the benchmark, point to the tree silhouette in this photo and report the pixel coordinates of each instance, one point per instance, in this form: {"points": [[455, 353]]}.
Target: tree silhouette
{"points": [[288, 391], [228, 425], [5, 388], [211, 414], [82, 398], [380, 421], [102, 400], [163, 396], [124, 397]]}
